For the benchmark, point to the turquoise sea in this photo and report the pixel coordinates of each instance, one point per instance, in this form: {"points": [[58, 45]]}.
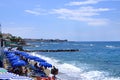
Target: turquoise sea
{"points": [[94, 61]]}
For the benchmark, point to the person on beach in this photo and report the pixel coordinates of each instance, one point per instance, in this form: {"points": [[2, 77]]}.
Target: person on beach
{"points": [[24, 71], [20, 48], [41, 68], [36, 65], [54, 71], [1, 63], [10, 48], [17, 70]]}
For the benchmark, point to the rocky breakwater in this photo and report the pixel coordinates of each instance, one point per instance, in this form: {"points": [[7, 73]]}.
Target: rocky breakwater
{"points": [[57, 50]]}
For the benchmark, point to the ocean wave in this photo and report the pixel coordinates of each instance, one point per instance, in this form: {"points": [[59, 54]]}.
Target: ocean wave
{"points": [[37, 46], [97, 75], [93, 75], [71, 72], [91, 45], [112, 47]]}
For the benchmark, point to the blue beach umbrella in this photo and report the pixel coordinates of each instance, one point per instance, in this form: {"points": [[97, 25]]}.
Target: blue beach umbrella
{"points": [[19, 63], [10, 55], [20, 52], [32, 57], [39, 60], [17, 52], [14, 61], [45, 64], [49, 65], [28, 57], [6, 52], [12, 58], [36, 59], [23, 53]]}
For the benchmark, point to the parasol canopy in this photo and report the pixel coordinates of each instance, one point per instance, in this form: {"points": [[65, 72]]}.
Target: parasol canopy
{"points": [[45, 64], [18, 63]]}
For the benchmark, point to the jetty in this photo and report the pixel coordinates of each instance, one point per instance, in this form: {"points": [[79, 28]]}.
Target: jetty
{"points": [[57, 50]]}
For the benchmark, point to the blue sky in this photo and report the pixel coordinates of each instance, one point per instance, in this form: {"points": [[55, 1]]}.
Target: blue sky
{"points": [[75, 20]]}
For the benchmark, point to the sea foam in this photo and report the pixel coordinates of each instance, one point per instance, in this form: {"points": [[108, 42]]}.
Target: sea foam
{"points": [[71, 72]]}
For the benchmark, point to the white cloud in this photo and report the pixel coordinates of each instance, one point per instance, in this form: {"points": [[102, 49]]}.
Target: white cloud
{"points": [[83, 2], [84, 14], [98, 22], [36, 11], [32, 12]]}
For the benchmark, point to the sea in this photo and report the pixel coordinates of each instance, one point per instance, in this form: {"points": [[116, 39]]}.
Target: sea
{"points": [[95, 60]]}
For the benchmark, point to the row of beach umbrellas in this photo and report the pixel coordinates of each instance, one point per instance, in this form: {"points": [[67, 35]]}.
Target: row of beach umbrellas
{"points": [[15, 60]]}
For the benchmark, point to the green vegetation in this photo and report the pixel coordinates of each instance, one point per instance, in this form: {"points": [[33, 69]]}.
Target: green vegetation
{"points": [[11, 40], [17, 40]]}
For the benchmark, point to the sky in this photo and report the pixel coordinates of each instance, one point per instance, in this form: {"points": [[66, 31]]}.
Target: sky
{"points": [[74, 20]]}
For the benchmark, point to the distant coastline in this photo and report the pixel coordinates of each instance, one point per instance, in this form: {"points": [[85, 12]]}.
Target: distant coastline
{"points": [[10, 40], [45, 40]]}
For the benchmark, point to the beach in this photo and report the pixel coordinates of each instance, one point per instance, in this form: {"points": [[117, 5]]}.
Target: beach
{"points": [[79, 37]]}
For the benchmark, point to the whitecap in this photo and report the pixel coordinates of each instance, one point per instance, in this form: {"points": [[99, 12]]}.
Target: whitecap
{"points": [[91, 45], [109, 46], [71, 72]]}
